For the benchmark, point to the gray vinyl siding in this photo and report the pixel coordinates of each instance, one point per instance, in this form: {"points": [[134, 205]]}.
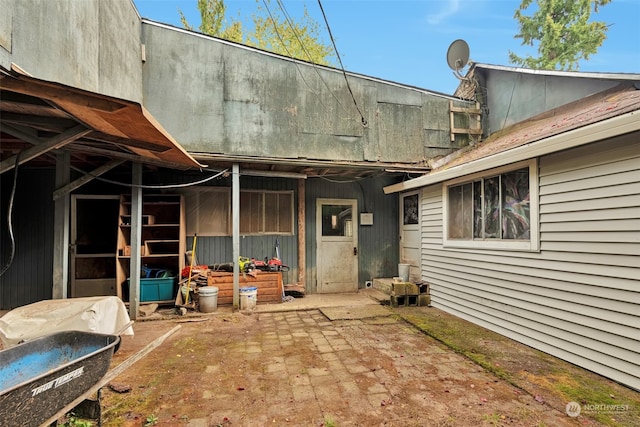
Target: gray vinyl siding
{"points": [[578, 298]]}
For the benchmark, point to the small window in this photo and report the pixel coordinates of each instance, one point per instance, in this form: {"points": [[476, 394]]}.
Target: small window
{"points": [[266, 212], [493, 210], [410, 209], [208, 211]]}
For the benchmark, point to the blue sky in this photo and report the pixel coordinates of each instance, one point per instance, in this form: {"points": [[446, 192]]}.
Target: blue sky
{"points": [[406, 41]]}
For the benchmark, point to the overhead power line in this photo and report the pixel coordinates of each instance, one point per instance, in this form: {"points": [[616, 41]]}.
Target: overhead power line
{"points": [[344, 73]]}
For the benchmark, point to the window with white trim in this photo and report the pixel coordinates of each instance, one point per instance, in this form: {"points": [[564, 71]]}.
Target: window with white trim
{"points": [[495, 209]]}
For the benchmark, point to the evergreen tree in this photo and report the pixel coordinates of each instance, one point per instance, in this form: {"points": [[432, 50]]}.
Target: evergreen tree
{"points": [[562, 31]]}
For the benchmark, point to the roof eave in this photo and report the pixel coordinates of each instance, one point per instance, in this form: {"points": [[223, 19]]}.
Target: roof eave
{"points": [[615, 126]]}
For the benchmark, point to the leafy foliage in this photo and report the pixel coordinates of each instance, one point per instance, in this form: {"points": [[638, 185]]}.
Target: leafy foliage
{"points": [[563, 32], [271, 31]]}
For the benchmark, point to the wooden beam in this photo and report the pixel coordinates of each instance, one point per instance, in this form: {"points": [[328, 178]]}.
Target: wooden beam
{"points": [[86, 178], [57, 141], [466, 110], [466, 131]]}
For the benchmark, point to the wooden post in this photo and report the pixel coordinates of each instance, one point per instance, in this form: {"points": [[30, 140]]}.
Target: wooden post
{"points": [[302, 254]]}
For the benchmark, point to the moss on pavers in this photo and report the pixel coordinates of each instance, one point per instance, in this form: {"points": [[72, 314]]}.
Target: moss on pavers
{"points": [[547, 378]]}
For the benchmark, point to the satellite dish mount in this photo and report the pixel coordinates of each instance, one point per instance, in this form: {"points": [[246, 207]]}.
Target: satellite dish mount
{"points": [[458, 57]]}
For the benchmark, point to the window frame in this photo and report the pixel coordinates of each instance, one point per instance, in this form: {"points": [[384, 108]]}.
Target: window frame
{"points": [[531, 245], [197, 192], [263, 216]]}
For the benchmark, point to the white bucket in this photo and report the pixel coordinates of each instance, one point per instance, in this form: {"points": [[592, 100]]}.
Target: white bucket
{"points": [[248, 298], [208, 298], [403, 272]]}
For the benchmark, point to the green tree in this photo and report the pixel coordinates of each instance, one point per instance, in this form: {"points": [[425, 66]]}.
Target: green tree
{"points": [[271, 31], [562, 30]]}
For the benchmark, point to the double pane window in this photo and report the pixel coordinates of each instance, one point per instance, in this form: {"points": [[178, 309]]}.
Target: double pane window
{"points": [[491, 208]]}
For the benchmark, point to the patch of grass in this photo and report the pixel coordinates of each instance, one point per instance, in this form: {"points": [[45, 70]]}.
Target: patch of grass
{"points": [[492, 419], [524, 367], [74, 421], [151, 420], [461, 339], [329, 421]]}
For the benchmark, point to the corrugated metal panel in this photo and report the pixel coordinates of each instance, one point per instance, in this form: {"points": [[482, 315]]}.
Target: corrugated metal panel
{"points": [[29, 279], [577, 298]]}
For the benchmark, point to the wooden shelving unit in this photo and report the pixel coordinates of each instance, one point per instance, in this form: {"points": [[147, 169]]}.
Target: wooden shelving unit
{"points": [[162, 245]]}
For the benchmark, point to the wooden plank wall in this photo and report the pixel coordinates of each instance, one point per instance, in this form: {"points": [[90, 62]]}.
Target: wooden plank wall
{"points": [[577, 298]]}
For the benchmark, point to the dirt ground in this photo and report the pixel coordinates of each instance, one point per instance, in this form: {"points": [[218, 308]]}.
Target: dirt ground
{"points": [[302, 368]]}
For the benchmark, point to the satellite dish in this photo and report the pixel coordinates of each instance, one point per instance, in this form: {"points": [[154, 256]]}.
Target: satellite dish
{"points": [[458, 56]]}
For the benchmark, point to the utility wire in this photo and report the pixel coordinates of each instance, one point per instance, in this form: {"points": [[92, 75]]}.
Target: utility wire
{"points": [[284, 45], [152, 187], [364, 122], [304, 48], [12, 240]]}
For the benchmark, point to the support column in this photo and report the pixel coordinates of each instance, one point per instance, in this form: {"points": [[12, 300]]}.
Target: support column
{"points": [[61, 228], [302, 249], [235, 226], [136, 238]]}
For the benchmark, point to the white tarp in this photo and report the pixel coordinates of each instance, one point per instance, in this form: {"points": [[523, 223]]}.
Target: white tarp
{"points": [[103, 315]]}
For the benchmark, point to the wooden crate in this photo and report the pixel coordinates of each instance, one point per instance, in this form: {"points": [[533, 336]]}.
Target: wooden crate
{"points": [[269, 286]]}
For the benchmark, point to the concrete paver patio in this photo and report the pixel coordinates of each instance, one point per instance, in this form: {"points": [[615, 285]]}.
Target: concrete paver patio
{"points": [[300, 368]]}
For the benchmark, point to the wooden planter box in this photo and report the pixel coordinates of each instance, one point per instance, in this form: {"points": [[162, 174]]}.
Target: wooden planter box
{"points": [[269, 286]]}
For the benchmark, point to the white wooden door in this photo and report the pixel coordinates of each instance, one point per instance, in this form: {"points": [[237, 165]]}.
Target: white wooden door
{"points": [[410, 244], [337, 237]]}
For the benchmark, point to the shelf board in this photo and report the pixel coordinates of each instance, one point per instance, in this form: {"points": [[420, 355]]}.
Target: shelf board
{"points": [[151, 225], [100, 255], [154, 203], [150, 256]]}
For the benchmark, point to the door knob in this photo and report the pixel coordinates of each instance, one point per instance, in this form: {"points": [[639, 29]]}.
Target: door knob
{"points": [[355, 250]]}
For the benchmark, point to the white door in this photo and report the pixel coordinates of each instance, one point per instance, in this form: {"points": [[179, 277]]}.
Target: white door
{"points": [[337, 237], [410, 245]]}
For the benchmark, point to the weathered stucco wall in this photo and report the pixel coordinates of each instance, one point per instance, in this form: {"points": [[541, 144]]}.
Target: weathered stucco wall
{"points": [[89, 44], [217, 97]]}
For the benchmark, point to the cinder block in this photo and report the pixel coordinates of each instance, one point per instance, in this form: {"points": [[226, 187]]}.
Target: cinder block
{"points": [[412, 289], [424, 300], [412, 300], [424, 288], [398, 300], [400, 289]]}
